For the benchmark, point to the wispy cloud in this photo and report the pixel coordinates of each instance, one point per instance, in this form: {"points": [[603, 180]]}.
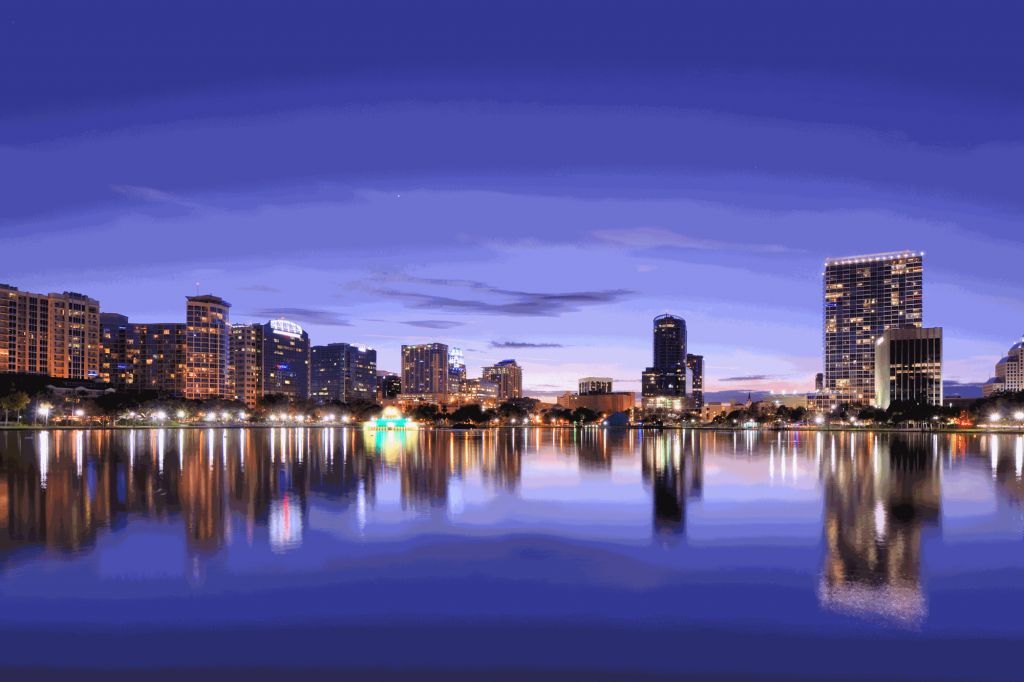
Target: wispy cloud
{"points": [[434, 324], [754, 377], [505, 302], [152, 195], [654, 237], [260, 287], [304, 316], [523, 344]]}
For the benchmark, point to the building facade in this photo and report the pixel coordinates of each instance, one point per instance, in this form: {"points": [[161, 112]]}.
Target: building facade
{"points": [[246, 363], [908, 366], [389, 385], [285, 360], [53, 334], [344, 372], [479, 392], [425, 369], [1009, 372], [508, 376], [595, 385], [207, 346], [456, 368], [120, 364], [864, 296], [695, 387], [601, 403], [663, 384]]}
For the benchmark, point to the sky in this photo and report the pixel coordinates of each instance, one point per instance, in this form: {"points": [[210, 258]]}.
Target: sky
{"points": [[521, 180]]}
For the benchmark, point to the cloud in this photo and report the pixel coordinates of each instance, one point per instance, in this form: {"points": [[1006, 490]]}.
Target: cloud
{"points": [[754, 377], [512, 303], [523, 344], [260, 287], [646, 268], [657, 237], [434, 324], [303, 316]]}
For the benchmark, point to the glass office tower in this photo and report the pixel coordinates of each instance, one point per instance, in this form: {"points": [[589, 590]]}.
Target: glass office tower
{"points": [[863, 297], [908, 367]]}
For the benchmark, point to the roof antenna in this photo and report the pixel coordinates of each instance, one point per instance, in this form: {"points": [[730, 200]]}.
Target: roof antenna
{"points": [[197, 288]]}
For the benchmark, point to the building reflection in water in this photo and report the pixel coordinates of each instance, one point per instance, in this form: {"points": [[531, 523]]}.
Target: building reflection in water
{"points": [[673, 468], [881, 495]]}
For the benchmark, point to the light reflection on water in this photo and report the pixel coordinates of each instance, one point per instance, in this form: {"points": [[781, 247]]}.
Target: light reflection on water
{"points": [[869, 501]]}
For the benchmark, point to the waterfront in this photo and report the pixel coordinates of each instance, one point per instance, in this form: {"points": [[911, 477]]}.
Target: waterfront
{"points": [[823, 555]]}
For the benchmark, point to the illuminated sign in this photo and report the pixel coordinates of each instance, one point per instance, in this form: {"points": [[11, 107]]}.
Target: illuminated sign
{"points": [[283, 367], [286, 328]]}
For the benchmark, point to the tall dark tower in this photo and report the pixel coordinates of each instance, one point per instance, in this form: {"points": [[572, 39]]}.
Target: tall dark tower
{"points": [[664, 383], [669, 342]]}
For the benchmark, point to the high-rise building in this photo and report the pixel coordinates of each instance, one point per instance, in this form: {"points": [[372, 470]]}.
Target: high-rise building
{"points": [[456, 368], [1009, 372], [285, 360], [120, 364], [207, 347], [56, 335], [819, 382], [595, 385], [479, 391], [344, 372], [425, 369], [163, 356], [509, 377], [663, 385], [695, 365], [908, 366], [863, 297], [246, 363]]}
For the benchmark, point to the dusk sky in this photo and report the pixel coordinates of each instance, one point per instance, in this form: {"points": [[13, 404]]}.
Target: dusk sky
{"points": [[521, 180]]}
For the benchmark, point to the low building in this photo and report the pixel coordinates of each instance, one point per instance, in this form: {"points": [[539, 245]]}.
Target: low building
{"points": [[718, 409], [908, 366], [783, 400], [601, 403], [479, 392]]}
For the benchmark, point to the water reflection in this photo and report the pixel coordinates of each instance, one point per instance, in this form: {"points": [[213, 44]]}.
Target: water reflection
{"points": [[879, 496]]}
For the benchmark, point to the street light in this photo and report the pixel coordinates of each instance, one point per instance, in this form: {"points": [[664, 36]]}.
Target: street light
{"points": [[79, 413], [994, 417], [181, 415], [45, 411], [161, 416]]}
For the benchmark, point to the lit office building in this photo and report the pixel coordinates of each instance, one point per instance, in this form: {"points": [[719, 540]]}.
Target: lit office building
{"points": [[285, 360], [246, 363], [1009, 372], [389, 385], [120, 364], [456, 368], [864, 296], [425, 369], [663, 385], [56, 335], [908, 366], [479, 391], [695, 375], [163, 356], [344, 372], [509, 377], [207, 347]]}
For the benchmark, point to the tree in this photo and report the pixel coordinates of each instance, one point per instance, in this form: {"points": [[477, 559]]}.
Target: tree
{"points": [[425, 412], [469, 413], [582, 415], [13, 402]]}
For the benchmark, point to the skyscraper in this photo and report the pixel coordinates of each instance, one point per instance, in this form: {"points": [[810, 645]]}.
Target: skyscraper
{"points": [[1009, 372], [425, 369], [908, 367], [456, 368], [285, 360], [344, 372], [695, 365], [509, 378], [863, 297], [207, 347], [664, 383], [53, 334], [246, 365]]}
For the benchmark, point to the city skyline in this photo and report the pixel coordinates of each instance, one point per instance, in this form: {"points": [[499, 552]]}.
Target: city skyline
{"points": [[488, 201]]}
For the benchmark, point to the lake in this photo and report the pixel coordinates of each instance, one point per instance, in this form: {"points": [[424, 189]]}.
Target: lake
{"points": [[739, 555]]}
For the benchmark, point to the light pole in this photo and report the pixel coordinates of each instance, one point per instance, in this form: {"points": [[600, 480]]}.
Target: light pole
{"points": [[45, 411]]}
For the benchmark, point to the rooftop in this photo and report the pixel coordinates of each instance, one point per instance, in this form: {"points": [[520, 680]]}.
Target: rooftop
{"points": [[894, 255]]}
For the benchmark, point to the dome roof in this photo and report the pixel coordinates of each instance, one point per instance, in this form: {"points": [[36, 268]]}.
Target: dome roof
{"points": [[1018, 345]]}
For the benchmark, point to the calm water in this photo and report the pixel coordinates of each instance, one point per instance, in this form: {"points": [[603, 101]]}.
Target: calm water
{"points": [[803, 555]]}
